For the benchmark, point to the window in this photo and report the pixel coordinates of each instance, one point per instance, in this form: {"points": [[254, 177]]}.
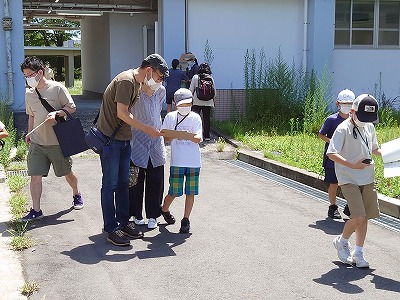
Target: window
{"points": [[367, 23]]}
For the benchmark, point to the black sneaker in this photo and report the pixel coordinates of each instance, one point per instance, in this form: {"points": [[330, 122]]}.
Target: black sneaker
{"points": [[131, 231], [346, 210], [333, 212], [168, 217], [118, 238], [185, 226]]}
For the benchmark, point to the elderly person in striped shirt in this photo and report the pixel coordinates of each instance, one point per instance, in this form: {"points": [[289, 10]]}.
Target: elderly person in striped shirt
{"points": [[149, 155]]}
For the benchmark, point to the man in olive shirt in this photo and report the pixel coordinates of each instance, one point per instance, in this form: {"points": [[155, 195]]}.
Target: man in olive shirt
{"points": [[118, 97]]}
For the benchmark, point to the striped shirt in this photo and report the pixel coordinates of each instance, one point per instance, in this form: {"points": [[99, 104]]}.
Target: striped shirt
{"points": [[147, 109]]}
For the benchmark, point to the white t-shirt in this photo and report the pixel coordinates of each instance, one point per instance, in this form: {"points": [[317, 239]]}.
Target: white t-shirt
{"points": [[2, 126], [184, 153], [354, 149]]}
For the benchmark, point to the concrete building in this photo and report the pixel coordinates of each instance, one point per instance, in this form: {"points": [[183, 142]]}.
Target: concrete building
{"points": [[356, 40]]}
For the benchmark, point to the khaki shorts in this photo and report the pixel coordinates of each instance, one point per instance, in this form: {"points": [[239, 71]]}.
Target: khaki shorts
{"points": [[41, 157], [362, 200]]}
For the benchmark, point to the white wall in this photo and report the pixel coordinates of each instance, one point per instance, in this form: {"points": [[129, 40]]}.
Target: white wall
{"points": [[111, 44], [95, 53], [359, 70], [126, 40], [232, 28]]}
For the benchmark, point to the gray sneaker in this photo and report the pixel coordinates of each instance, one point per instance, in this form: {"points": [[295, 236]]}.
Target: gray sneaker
{"points": [[359, 259], [343, 251]]}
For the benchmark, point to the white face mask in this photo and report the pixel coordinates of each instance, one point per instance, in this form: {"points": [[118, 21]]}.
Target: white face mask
{"points": [[151, 83], [358, 122], [184, 110], [32, 82], [345, 108]]}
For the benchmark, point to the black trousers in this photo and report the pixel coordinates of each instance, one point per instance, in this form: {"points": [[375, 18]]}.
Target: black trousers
{"points": [[153, 178], [206, 115]]}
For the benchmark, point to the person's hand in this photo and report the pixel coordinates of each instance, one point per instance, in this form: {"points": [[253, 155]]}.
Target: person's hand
{"points": [[51, 117], [152, 131], [359, 165], [28, 139]]}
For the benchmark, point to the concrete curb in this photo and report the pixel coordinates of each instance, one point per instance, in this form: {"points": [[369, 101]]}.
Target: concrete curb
{"points": [[387, 205]]}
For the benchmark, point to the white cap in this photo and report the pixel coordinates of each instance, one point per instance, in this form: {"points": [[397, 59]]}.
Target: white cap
{"points": [[346, 96], [182, 96]]}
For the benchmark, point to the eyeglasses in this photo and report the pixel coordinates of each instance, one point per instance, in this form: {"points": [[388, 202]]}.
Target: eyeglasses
{"points": [[160, 76], [30, 75]]}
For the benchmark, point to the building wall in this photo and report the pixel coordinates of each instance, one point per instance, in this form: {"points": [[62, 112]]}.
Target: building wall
{"points": [[17, 56], [233, 28], [172, 28], [95, 53], [111, 44], [359, 70]]}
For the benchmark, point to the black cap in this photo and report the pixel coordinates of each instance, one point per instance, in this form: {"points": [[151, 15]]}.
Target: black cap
{"points": [[158, 63], [366, 108]]}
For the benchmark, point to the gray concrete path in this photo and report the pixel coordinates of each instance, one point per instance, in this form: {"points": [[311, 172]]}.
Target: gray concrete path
{"points": [[251, 239]]}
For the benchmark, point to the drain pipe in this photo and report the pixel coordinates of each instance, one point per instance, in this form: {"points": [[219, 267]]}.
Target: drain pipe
{"points": [[7, 27], [186, 27], [305, 35]]}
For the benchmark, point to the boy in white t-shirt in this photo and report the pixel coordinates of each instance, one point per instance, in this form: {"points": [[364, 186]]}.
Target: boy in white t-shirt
{"points": [[185, 156], [351, 148]]}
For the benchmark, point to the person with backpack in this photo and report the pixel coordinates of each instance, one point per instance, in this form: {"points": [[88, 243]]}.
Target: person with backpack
{"points": [[202, 87]]}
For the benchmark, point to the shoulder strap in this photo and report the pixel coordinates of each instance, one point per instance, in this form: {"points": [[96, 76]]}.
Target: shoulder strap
{"points": [[44, 102], [48, 107]]}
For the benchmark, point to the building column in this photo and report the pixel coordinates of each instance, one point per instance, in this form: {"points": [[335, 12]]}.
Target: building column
{"points": [[15, 41], [69, 69]]}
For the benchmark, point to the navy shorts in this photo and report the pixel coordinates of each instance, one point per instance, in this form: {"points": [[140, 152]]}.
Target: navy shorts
{"points": [[330, 175]]}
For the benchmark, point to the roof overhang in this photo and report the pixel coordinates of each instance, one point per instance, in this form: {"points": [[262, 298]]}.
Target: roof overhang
{"points": [[78, 9]]}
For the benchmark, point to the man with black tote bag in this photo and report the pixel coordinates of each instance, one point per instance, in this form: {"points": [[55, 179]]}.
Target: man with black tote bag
{"points": [[44, 148]]}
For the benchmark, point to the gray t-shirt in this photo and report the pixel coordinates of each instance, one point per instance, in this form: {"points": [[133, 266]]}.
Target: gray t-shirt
{"points": [[353, 149]]}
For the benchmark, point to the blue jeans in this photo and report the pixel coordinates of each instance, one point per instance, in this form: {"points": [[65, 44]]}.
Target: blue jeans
{"points": [[115, 183]]}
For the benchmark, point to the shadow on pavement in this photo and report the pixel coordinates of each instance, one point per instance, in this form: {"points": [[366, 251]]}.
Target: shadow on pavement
{"points": [[341, 279], [329, 226], [51, 220], [162, 244], [98, 251]]}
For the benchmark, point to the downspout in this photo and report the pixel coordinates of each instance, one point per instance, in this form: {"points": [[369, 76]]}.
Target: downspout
{"points": [[186, 27], [7, 26], [305, 35]]}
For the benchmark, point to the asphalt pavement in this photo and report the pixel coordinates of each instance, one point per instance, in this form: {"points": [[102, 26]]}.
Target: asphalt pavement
{"points": [[251, 238]]}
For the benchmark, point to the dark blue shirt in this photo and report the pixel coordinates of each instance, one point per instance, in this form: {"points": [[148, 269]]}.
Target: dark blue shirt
{"points": [[328, 128], [174, 80]]}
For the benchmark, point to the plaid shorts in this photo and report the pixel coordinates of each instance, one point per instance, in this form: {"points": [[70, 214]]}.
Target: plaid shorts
{"points": [[176, 177]]}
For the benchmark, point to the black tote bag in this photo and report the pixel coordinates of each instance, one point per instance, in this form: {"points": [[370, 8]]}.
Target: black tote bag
{"points": [[70, 135]]}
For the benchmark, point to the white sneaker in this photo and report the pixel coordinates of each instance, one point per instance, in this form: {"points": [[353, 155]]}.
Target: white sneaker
{"points": [[152, 223], [343, 251], [359, 259], [138, 221]]}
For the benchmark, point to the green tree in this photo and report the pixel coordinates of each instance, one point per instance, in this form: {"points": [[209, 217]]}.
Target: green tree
{"points": [[47, 37], [50, 37]]}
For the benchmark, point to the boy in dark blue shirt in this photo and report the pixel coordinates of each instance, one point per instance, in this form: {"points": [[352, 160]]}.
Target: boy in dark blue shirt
{"points": [[344, 101]]}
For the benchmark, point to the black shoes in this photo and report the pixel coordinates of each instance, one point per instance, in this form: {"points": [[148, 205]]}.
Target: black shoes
{"points": [[118, 238], [168, 217], [346, 210], [131, 231], [185, 226], [333, 212]]}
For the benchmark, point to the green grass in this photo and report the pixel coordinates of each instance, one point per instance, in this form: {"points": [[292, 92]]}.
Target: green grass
{"points": [[16, 183], [306, 151], [77, 88], [18, 203]]}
